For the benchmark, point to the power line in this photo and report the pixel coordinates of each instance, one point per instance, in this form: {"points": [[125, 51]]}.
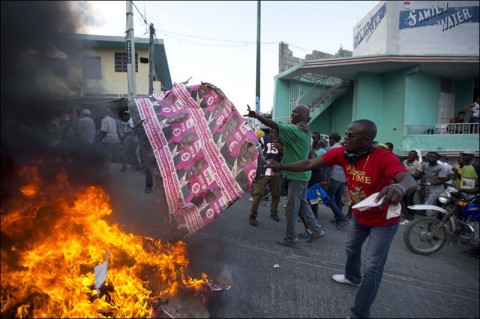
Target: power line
{"points": [[236, 43], [144, 19], [294, 46], [239, 43], [212, 39]]}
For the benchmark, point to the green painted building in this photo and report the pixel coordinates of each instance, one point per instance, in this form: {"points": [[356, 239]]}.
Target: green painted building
{"points": [[414, 66]]}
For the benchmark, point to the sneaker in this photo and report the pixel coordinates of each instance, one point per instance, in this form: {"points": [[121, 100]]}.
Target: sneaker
{"points": [[315, 236], [253, 221], [342, 280], [333, 221], [275, 217], [472, 252], [340, 225], [251, 199], [306, 234], [404, 222], [287, 241]]}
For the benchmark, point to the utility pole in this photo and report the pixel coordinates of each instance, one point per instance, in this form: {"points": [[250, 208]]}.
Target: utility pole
{"points": [[150, 61], [257, 88], [131, 61]]}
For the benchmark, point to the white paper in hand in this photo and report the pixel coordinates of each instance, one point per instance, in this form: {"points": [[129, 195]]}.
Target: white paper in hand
{"points": [[369, 202], [101, 273]]}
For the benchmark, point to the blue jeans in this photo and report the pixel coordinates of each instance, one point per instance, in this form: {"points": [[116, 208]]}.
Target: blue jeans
{"points": [[375, 257], [335, 191], [297, 203]]}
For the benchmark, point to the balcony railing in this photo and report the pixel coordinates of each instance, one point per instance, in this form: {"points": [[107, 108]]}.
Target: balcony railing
{"points": [[442, 128]]}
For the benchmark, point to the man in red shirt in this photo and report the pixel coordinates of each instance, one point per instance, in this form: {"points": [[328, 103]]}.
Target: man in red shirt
{"points": [[369, 170]]}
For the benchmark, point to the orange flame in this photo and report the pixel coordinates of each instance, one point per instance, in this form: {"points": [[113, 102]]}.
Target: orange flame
{"points": [[56, 235]]}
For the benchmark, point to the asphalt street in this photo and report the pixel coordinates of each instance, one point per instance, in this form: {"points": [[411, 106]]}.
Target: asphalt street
{"points": [[272, 281]]}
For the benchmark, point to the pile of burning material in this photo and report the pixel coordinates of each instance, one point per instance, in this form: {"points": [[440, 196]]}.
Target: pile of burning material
{"points": [[188, 302], [61, 258]]}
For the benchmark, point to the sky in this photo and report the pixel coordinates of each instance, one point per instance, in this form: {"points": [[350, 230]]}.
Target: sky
{"points": [[216, 41]]}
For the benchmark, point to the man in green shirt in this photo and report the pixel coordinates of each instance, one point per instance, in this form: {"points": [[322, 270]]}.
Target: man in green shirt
{"points": [[297, 139], [469, 184], [468, 176]]}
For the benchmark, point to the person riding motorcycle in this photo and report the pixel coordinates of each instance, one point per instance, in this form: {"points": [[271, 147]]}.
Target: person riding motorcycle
{"points": [[435, 176], [469, 183]]}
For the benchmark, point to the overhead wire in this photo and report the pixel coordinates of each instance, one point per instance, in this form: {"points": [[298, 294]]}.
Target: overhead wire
{"points": [[143, 18], [205, 38], [239, 43]]}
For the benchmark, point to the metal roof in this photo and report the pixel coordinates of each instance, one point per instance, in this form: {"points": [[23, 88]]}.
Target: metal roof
{"points": [[454, 67], [111, 42]]}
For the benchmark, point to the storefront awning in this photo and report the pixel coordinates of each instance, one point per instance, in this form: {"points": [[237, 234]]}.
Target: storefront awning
{"points": [[454, 67]]}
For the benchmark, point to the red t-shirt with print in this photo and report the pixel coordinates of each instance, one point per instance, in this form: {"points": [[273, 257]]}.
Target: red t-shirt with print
{"points": [[368, 176]]}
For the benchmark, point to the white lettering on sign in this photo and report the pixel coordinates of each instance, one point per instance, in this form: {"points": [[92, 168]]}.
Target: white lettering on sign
{"points": [[208, 176], [455, 19], [425, 14], [370, 26]]}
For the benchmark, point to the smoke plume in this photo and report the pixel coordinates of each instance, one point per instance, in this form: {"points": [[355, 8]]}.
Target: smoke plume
{"points": [[33, 41]]}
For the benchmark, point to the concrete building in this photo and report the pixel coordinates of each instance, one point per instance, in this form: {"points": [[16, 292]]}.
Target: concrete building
{"points": [[90, 71], [286, 60], [99, 64], [414, 65]]}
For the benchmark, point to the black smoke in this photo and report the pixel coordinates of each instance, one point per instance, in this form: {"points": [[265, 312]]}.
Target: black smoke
{"points": [[32, 38]]}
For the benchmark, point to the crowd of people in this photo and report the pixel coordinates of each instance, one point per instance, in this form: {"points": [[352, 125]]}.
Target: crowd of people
{"points": [[350, 171], [370, 172], [109, 134]]}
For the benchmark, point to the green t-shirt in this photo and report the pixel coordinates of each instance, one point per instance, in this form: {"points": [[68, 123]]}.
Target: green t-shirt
{"points": [[469, 177], [297, 148]]}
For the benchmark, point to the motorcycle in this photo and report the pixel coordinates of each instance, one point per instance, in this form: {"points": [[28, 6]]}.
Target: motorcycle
{"points": [[456, 220]]}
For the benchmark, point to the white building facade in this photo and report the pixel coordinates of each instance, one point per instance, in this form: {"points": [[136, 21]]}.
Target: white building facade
{"points": [[419, 27]]}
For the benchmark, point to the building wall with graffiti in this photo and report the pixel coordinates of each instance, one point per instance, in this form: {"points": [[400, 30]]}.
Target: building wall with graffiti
{"points": [[419, 28]]}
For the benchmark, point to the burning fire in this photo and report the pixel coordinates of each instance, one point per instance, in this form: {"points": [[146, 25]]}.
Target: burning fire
{"points": [[53, 236]]}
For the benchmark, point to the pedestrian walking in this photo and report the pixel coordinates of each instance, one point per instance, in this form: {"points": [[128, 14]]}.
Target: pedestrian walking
{"points": [[110, 140], [85, 129], [335, 187], [297, 137], [267, 177], [370, 171]]}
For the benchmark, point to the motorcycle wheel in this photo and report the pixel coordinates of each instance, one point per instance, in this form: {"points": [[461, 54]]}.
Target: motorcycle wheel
{"points": [[423, 237]]}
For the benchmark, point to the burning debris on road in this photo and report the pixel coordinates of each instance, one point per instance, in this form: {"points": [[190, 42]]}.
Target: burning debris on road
{"points": [[54, 207], [53, 237]]}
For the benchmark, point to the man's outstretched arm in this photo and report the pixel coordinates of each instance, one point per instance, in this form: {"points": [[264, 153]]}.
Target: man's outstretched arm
{"points": [[300, 166], [263, 120]]}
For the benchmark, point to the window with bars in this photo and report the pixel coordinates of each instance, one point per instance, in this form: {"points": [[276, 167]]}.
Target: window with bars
{"points": [[92, 68], [121, 62]]}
